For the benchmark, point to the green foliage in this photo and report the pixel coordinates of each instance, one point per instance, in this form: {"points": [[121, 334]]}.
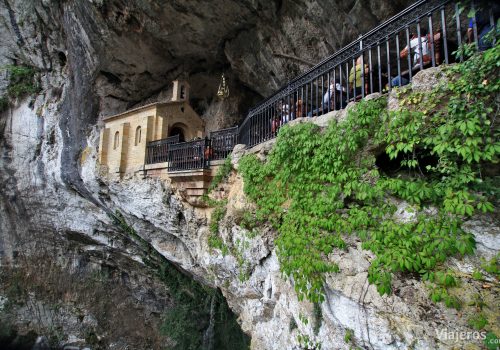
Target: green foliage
{"points": [[217, 216], [21, 81], [214, 240], [120, 221], [303, 319], [440, 282], [222, 174], [318, 318], [477, 275], [191, 301], [237, 251], [179, 326], [247, 220], [348, 335], [440, 293], [478, 322], [491, 341], [490, 188], [307, 343], [477, 301], [492, 266], [4, 103], [316, 187]]}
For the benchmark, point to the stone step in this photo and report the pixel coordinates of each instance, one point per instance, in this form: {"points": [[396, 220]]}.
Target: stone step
{"points": [[194, 184], [195, 191]]}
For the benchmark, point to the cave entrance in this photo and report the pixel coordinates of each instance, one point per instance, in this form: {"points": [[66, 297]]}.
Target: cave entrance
{"points": [[393, 168], [176, 130]]}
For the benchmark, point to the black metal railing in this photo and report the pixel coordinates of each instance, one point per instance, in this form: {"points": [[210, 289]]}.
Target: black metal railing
{"points": [[222, 142], [189, 155], [421, 36], [157, 151]]}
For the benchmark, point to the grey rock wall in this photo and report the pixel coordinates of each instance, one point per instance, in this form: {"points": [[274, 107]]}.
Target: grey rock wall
{"points": [[97, 58]]}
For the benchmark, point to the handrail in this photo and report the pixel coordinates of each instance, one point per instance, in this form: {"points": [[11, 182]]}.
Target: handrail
{"points": [[350, 74], [169, 140], [351, 49], [188, 155], [222, 142], [389, 55], [157, 151]]}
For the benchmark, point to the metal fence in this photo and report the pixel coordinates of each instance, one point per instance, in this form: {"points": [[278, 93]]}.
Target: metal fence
{"points": [[222, 142], [421, 36], [189, 155], [157, 151]]}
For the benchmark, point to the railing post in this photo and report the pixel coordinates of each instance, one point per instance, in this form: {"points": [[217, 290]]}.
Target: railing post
{"points": [[398, 59], [459, 30], [388, 52], [444, 38], [431, 37], [362, 67], [206, 148], [474, 24]]}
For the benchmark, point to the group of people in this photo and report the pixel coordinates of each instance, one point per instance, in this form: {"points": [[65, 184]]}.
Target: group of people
{"points": [[421, 45], [420, 49], [287, 112]]}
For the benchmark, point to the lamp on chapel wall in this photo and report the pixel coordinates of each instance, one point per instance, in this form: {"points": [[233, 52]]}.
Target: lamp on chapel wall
{"points": [[223, 91]]}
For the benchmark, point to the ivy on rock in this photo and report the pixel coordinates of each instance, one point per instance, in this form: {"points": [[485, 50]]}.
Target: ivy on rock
{"points": [[317, 186]]}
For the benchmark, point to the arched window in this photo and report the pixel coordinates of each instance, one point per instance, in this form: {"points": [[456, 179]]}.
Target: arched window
{"points": [[117, 140], [183, 92], [138, 135]]}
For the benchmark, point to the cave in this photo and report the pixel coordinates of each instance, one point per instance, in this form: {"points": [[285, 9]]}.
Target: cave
{"points": [[393, 168], [62, 58], [97, 59]]}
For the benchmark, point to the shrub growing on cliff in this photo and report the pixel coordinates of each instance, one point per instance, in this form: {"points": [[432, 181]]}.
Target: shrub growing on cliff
{"points": [[186, 322], [4, 103], [317, 187], [21, 81]]}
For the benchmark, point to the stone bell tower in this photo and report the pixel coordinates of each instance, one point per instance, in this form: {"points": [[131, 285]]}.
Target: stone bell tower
{"points": [[181, 91]]}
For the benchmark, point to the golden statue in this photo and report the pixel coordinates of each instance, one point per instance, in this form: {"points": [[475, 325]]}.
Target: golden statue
{"points": [[223, 91]]}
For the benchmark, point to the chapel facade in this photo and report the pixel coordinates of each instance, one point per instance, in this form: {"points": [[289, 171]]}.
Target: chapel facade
{"points": [[125, 136]]}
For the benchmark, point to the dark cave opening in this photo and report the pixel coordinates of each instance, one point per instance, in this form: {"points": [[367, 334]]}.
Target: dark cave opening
{"points": [[394, 167], [62, 58]]}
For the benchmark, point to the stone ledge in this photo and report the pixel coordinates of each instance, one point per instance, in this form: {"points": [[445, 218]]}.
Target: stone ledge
{"points": [[156, 166]]}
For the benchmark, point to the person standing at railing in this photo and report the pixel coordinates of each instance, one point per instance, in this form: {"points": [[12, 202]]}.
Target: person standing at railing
{"points": [[328, 98], [483, 25], [285, 113], [418, 50], [355, 77]]}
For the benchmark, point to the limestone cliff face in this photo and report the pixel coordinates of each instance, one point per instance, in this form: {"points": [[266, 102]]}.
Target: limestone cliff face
{"points": [[100, 57], [249, 272]]}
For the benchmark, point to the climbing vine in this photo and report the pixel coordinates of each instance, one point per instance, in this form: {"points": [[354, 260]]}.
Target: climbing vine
{"points": [[317, 186]]}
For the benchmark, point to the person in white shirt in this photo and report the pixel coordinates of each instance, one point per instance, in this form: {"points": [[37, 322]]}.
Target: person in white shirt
{"points": [[414, 47]]}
